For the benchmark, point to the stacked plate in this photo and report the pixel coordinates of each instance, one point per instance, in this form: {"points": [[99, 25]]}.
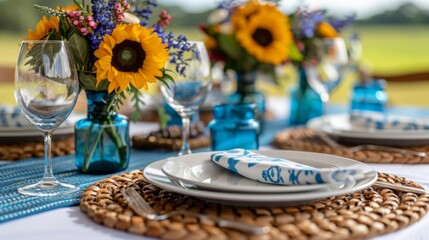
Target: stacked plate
{"points": [[195, 175], [340, 127], [29, 132]]}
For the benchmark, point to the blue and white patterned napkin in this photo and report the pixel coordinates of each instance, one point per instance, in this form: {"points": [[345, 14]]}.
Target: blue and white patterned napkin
{"points": [[276, 170], [12, 117], [380, 121]]}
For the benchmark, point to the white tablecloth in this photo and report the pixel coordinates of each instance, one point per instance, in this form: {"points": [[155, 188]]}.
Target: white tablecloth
{"points": [[71, 223]]}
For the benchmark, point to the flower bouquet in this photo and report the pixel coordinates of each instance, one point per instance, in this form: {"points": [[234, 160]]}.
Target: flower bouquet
{"points": [[117, 53], [248, 37], [320, 55]]}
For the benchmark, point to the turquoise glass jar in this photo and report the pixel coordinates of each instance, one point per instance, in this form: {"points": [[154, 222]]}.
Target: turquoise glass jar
{"points": [[234, 126], [102, 139], [370, 95], [246, 93]]}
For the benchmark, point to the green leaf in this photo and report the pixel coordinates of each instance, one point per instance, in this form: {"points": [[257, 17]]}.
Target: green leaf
{"points": [[79, 47], [88, 82], [294, 53], [230, 46], [79, 5]]}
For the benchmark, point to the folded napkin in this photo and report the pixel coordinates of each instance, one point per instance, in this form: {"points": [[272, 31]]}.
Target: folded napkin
{"points": [[380, 121], [12, 117], [276, 170]]}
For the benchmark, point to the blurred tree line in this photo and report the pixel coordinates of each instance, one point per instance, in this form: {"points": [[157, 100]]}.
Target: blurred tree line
{"points": [[407, 13], [20, 15]]}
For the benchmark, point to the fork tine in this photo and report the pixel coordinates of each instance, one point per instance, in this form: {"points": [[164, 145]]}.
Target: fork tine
{"points": [[140, 201], [133, 203], [141, 207], [134, 199]]}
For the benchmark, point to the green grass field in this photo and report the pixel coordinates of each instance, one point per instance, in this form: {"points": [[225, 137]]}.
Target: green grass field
{"points": [[386, 50]]}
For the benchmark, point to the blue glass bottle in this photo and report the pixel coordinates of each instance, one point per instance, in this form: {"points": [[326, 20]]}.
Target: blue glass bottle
{"points": [[369, 96], [246, 93], [234, 126], [102, 139], [305, 103]]}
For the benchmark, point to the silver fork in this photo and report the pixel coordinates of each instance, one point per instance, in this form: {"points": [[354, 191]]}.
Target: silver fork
{"points": [[142, 208], [334, 144]]}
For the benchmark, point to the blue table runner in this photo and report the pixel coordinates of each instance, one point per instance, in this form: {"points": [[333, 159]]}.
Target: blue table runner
{"points": [[12, 175]]}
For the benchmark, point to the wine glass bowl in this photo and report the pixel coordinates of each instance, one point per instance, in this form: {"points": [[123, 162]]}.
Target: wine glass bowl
{"points": [[327, 72], [46, 90], [190, 88]]}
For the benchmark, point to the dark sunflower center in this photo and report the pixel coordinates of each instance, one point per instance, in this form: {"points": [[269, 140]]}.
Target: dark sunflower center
{"points": [[128, 56], [263, 37]]}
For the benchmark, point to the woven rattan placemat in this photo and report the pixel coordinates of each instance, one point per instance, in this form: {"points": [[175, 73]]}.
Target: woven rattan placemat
{"points": [[305, 139], [363, 214], [21, 150]]}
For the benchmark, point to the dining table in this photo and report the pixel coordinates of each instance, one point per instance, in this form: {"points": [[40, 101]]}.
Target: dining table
{"points": [[67, 221]]}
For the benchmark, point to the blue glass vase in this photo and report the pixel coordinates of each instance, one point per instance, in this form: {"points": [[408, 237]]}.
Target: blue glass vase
{"points": [[102, 139], [246, 93], [234, 126], [305, 102], [370, 95]]}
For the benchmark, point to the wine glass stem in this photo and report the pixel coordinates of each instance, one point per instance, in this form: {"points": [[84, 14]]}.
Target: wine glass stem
{"points": [[48, 176], [325, 101], [185, 135]]}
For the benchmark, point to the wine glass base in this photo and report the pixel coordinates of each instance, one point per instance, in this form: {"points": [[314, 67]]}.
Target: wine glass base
{"points": [[184, 152], [42, 189]]}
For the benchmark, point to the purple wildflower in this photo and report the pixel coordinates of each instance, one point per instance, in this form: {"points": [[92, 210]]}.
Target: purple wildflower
{"points": [[340, 24], [143, 9], [228, 4], [102, 15], [309, 22]]}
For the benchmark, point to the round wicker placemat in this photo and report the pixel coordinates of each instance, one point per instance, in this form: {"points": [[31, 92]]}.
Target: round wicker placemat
{"points": [[363, 214], [16, 151], [305, 139]]}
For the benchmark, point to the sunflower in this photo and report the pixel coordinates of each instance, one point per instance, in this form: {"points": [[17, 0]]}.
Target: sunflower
{"points": [[242, 14], [326, 30], [267, 36], [131, 55], [43, 27]]}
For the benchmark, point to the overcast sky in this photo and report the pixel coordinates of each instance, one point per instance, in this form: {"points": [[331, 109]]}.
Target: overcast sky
{"points": [[363, 8]]}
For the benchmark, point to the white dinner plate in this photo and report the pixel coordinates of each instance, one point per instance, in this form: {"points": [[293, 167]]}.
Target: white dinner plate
{"points": [[203, 173], [339, 126], [30, 132], [154, 175]]}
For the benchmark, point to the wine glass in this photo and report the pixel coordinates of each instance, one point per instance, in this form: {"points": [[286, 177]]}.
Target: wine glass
{"points": [[327, 72], [46, 89], [190, 88]]}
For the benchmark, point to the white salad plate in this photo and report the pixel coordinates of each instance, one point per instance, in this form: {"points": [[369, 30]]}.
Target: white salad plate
{"points": [[154, 174], [30, 132], [204, 174], [339, 126]]}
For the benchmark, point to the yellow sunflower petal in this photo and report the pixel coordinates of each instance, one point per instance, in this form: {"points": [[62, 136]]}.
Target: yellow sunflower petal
{"points": [[119, 34], [326, 30], [112, 87]]}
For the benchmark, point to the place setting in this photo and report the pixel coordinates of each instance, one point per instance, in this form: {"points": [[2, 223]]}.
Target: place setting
{"points": [[198, 175], [368, 136], [245, 187], [373, 128], [16, 127]]}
